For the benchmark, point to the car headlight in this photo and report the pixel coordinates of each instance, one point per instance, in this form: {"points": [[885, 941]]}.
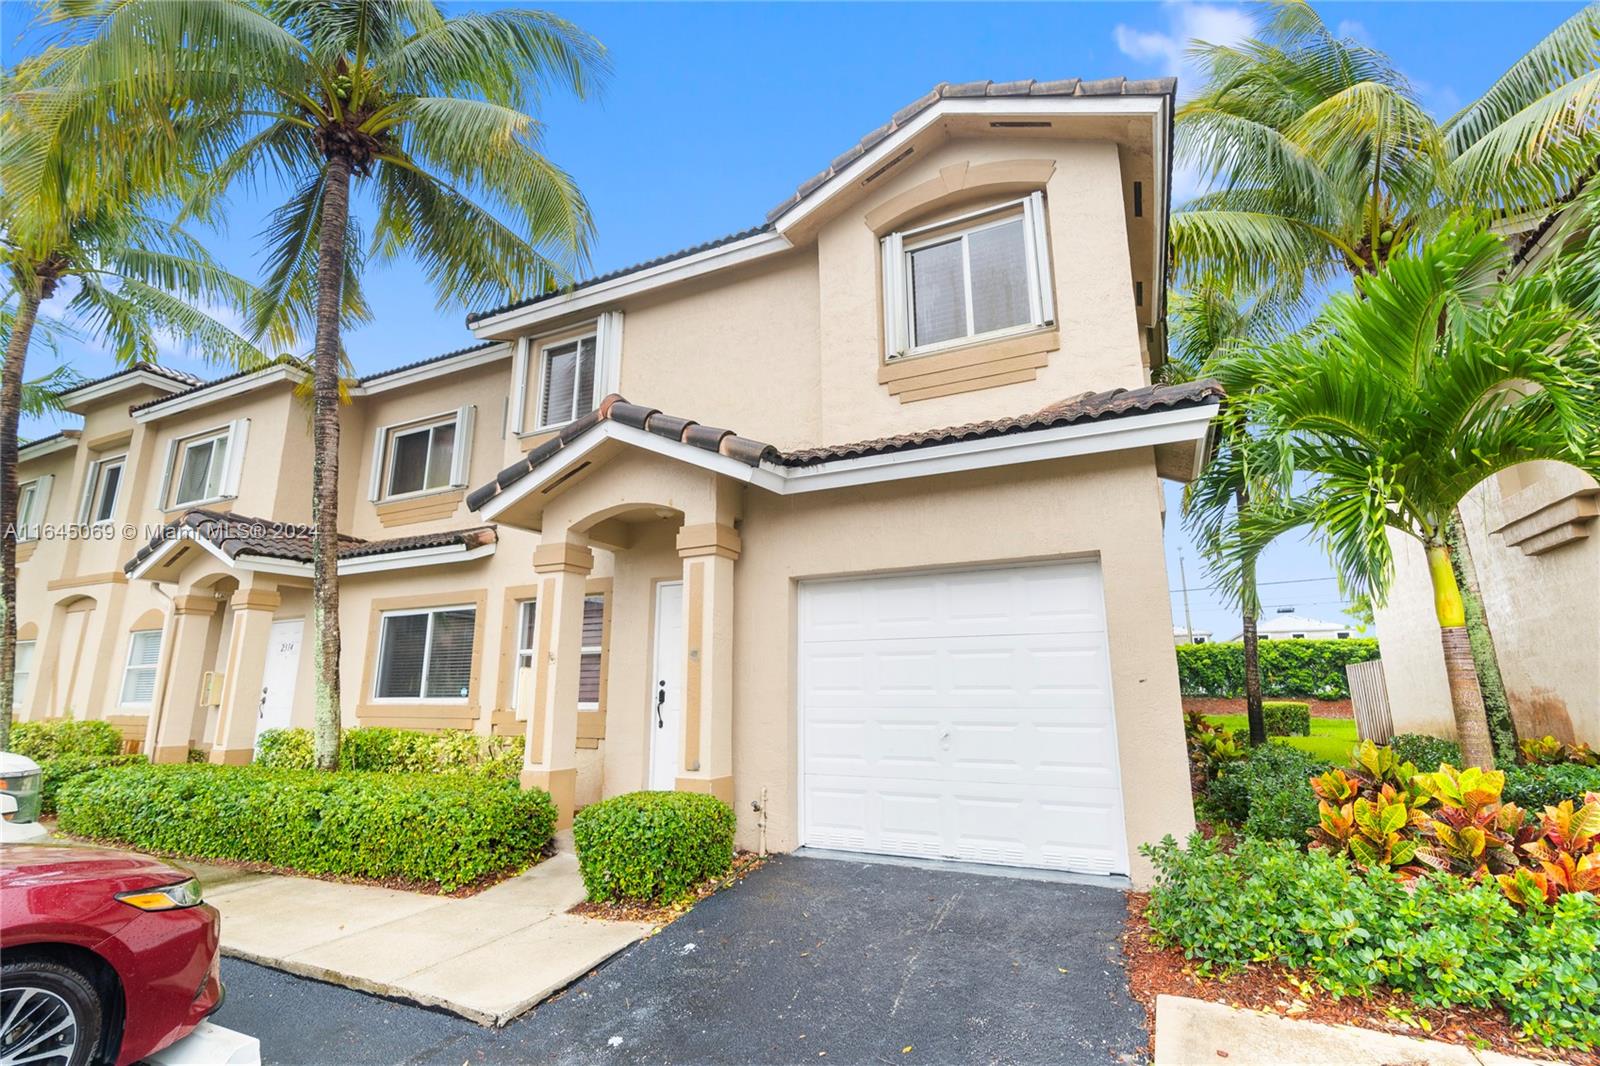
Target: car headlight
{"points": [[169, 898]]}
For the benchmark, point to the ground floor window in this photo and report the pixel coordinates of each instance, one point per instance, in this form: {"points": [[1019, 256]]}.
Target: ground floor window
{"points": [[21, 671], [426, 654], [527, 625], [594, 622], [139, 675]]}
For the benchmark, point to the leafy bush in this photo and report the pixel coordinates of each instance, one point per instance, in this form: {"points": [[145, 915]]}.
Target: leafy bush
{"points": [[51, 738], [1268, 793], [1445, 941], [1537, 787], [1426, 752], [1291, 668], [1286, 718], [377, 749], [448, 830], [1211, 747], [55, 772], [652, 846], [1548, 751]]}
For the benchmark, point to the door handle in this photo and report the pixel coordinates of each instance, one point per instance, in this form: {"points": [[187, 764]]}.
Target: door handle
{"points": [[661, 697]]}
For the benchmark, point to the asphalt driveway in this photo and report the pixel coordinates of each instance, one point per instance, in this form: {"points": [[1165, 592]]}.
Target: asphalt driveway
{"points": [[809, 959]]}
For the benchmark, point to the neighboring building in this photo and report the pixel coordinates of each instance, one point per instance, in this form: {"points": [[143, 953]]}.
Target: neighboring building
{"points": [[1299, 627], [1181, 635], [941, 639], [1531, 533]]}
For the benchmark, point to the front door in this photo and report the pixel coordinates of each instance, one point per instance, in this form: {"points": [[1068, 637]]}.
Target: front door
{"points": [[277, 681], [666, 688]]}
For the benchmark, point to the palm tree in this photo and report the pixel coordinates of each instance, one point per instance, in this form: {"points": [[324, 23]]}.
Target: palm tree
{"points": [[1324, 163], [136, 277], [428, 113], [1405, 395]]}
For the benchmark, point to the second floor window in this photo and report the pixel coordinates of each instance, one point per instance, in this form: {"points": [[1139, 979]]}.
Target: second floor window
{"points": [[567, 380], [421, 458], [201, 463], [426, 654], [32, 499], [105, 485], [984, 274]]}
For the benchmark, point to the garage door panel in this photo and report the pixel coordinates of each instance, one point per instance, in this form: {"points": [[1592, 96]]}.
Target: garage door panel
{"points": [[962, 715]]}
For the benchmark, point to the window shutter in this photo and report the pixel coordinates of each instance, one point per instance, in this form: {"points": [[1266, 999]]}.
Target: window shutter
{"points": [[461, 453], [88, 491], [41, 500], [894, 297], [1034, 209], [167, 466], [608, 352], [375, 487], [519, 386], [238, 433]]}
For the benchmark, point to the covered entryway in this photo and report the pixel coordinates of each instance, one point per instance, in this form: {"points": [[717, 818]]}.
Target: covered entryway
{"points": [[961, 715]]}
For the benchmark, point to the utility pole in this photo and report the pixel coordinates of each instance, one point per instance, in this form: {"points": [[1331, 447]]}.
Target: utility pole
{"points": [[1188, 623]]}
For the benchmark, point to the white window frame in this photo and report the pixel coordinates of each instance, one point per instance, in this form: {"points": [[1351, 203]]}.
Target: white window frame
{"points": [[235, 436], [598, 650], [517, 663], [528, 369], [541, 362], [33, 497], [128, 666], [387, 459], [899, 314], [385, 437], [427, 653], [21, 678], [96, 491]]}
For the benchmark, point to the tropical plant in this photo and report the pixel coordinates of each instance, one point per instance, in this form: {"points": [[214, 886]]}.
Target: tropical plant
{"points": [[1404, 396], [1566, 847], [1469, 830], [427, 112]]}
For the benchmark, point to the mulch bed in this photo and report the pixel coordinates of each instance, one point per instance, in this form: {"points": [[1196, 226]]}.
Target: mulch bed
{"points": [[744, 863], [1154, 971]]}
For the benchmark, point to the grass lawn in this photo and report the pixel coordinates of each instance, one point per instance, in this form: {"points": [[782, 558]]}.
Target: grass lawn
{"points": [[1331, 738]]}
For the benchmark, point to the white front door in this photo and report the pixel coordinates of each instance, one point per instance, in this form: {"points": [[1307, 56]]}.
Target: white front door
{"points": [[666, 688], [277, 681], [962, 715]]}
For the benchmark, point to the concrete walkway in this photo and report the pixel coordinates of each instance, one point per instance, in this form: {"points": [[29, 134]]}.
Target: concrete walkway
{"points": [[1192, 1032], [488, 958]]}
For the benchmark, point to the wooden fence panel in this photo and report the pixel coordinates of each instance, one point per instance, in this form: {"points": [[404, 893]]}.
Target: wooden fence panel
{"points": [[1369, 697]]}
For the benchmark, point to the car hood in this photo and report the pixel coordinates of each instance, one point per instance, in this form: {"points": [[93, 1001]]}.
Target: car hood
{"points": [[34, 865]]}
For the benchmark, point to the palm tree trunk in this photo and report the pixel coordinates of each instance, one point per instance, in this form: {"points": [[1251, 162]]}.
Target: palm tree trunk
{"points": [[1466, 698], [325, 459], [1253, 711], [10, 413]]}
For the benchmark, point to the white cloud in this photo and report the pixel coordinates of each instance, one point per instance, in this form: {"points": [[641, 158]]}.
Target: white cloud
{"points": [[1352, 29], [1165, 49]]}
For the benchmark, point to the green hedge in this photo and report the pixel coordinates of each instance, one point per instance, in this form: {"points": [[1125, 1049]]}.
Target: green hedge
{"points": [[1534, 788], [378, 749], [51, 738], [445, 829], [652, 846], [1291, 668], [1286, 718], [1267, 794], [56, 772], [1444, 941], [1425, 752]]}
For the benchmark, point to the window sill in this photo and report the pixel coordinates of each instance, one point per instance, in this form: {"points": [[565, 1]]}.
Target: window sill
{"points": [[996, 360], [961, 344], [179, 508], [427, 506]]}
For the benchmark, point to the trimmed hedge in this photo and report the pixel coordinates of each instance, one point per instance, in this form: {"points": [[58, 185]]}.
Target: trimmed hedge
{"points": [[1426, 752], [444, 829], [1534, 788], [652, 846], [1267, 794], [51, 738], [378, 749], [1445, 941], [1292, 668], [53, 773], [1286, 718]]}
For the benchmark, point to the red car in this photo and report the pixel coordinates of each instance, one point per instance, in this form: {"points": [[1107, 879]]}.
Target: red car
{"points": [[106, 957]]}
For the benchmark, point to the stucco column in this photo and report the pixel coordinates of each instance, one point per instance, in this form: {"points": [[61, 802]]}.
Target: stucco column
{"points": [[708, 552], [167, 739], [549, 758], [253, 608]]}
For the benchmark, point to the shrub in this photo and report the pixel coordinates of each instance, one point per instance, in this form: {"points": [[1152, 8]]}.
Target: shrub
{"points": [[1426, 752], [1286, 718], [55, 772], [448, 830], [1548, 751], [1268, 793], [53, 737], [378, 749], [1445, 941], [1291, 668], [1537, 787], [652, 846], [1211, 747]]}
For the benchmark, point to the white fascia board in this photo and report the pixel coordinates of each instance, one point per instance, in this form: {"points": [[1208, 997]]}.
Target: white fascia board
{"points": [[407, 560], [1031, 106], [121, 383], [40, 449], [755, 246], [383, 382], [259, 564], [221, 391], [1128, 431]]}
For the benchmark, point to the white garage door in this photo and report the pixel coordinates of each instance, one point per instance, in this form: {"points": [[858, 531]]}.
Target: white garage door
{"points": [[961, 715]]}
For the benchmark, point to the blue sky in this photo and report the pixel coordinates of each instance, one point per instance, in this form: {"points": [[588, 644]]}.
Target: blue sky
{"points": [[716, 111]]}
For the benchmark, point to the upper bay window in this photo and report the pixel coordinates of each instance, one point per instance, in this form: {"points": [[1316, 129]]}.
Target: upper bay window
{"points": [[564, 377], [422, 456], [979, 275]]}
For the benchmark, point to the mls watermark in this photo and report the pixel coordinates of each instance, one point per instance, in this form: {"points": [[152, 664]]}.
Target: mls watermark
{"points": [[91, 531]]}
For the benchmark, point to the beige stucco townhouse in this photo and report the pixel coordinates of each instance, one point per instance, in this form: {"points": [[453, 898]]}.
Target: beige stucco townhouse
{"points": [[872, 549]]}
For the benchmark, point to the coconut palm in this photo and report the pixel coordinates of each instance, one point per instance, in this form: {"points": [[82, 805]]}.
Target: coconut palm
{"points": [[133, 276], [1405, 395], [424, 113], [1323, 162]]}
